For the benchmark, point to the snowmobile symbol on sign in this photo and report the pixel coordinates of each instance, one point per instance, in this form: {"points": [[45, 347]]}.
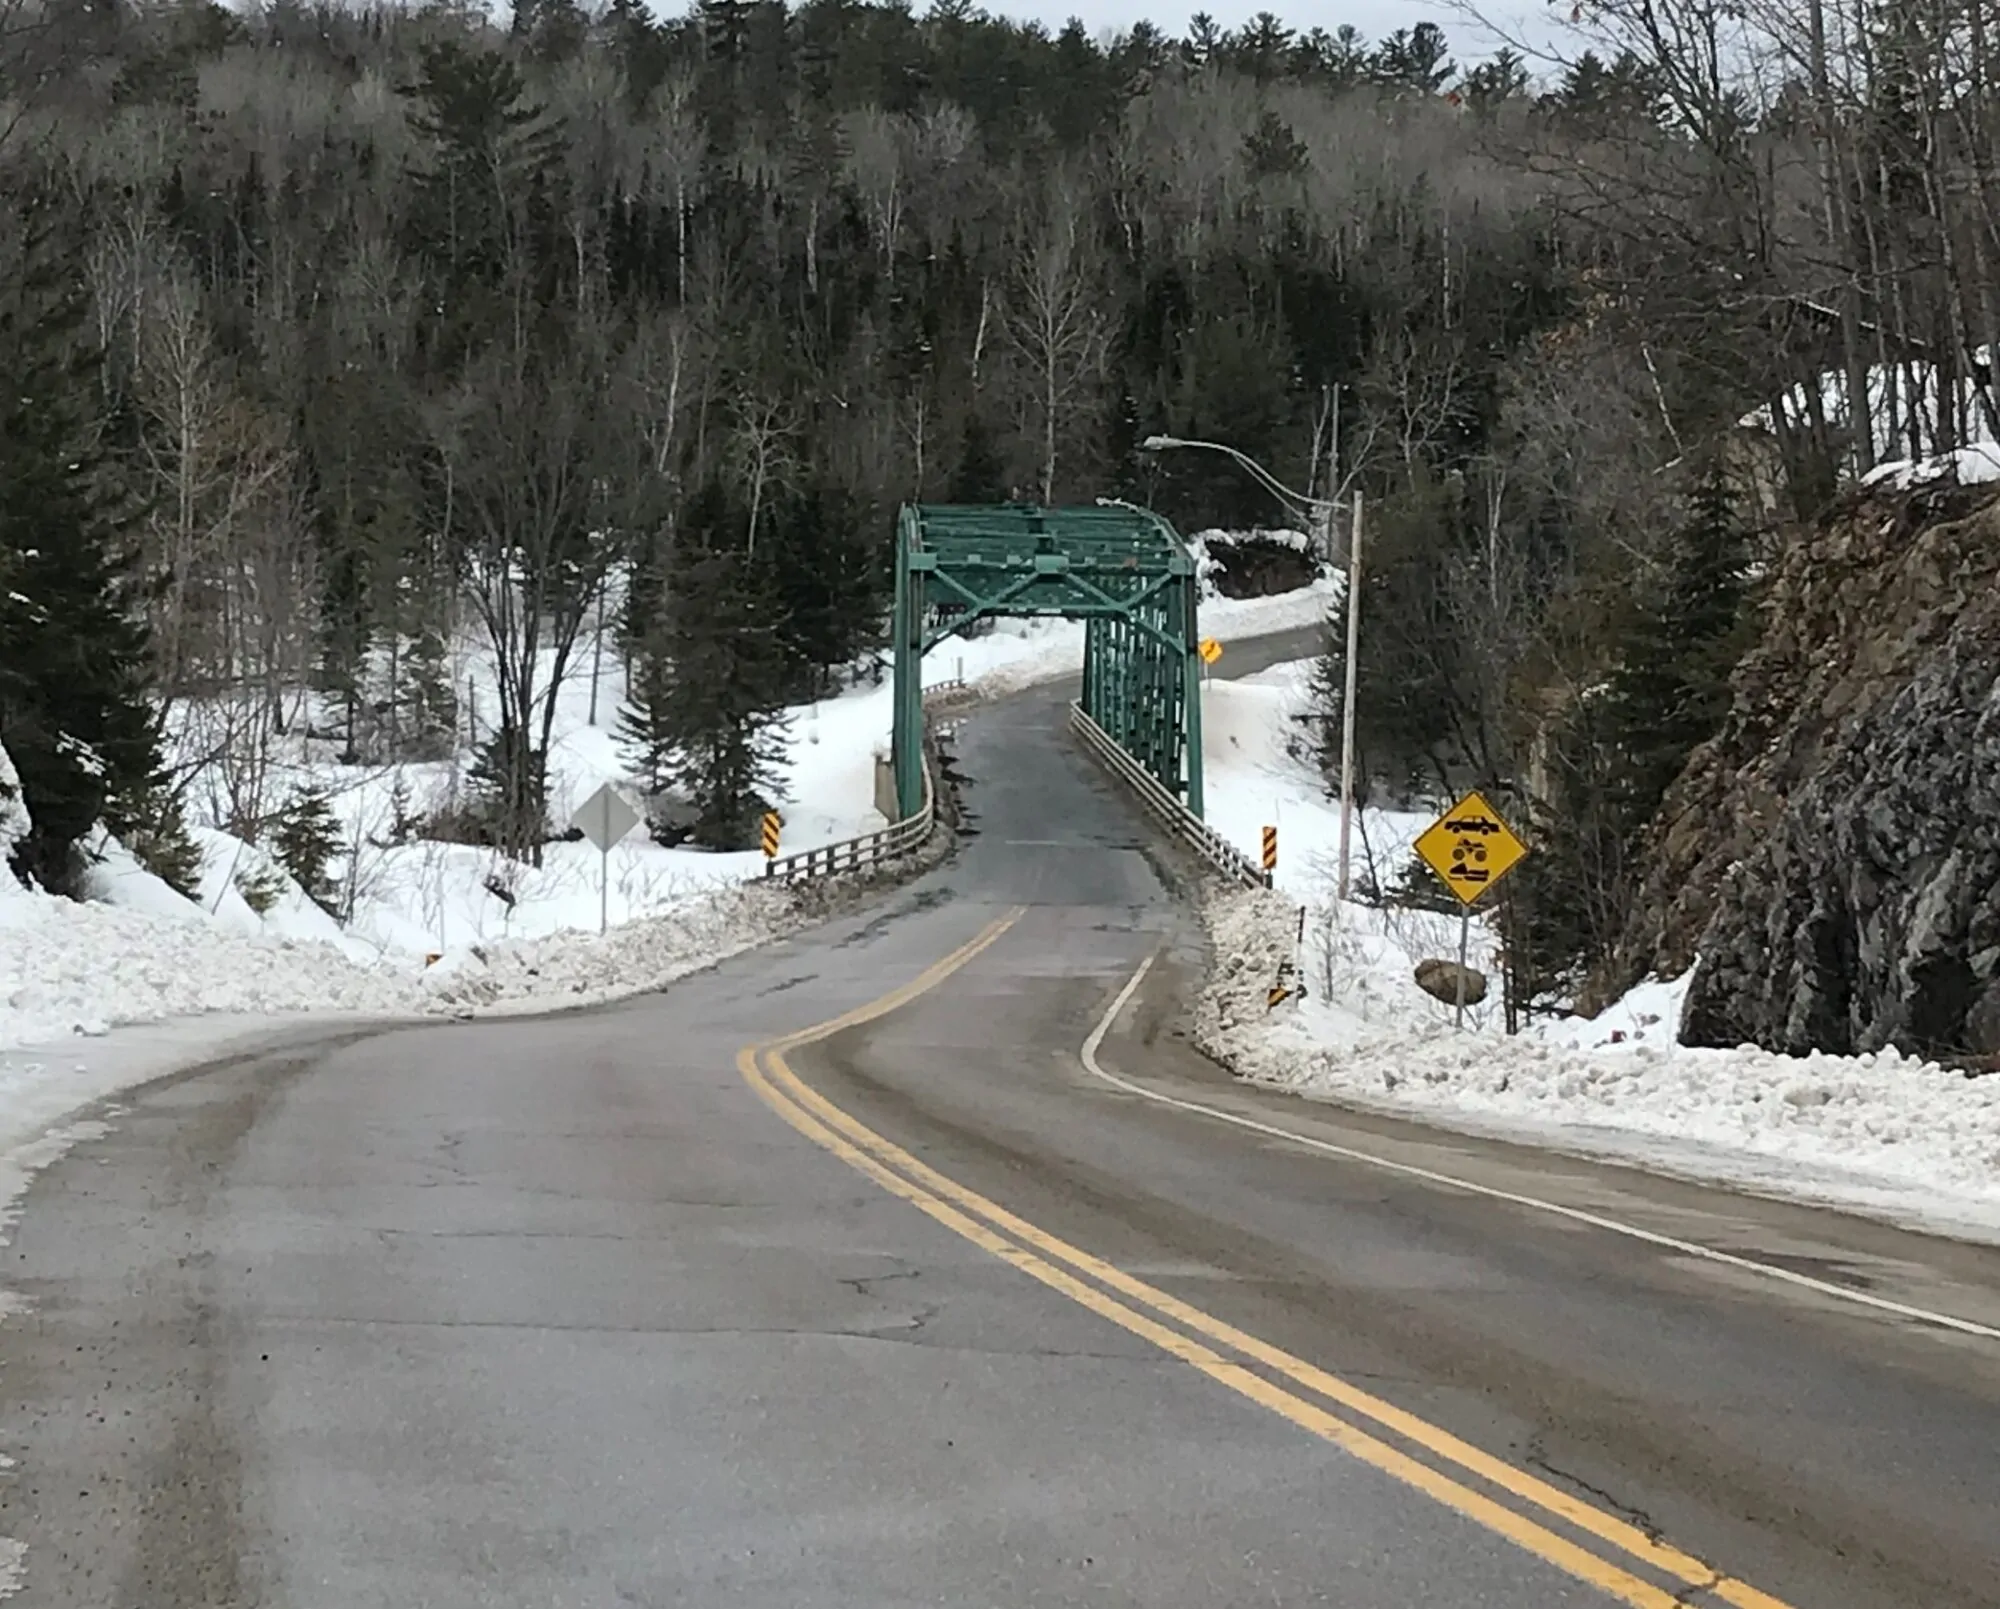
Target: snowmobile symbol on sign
{"points": [[1470, 847]]}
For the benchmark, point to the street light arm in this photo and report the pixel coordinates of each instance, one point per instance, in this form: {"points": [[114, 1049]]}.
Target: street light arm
{"points": [[1311, 508]]}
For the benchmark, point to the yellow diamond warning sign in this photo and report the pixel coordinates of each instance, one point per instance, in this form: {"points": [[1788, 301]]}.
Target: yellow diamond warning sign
{"points": [[1470, 847], [1211, 650]]}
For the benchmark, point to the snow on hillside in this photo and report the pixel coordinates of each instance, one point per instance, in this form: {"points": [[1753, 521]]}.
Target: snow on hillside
{"points": [[1020, 653], [139, 952], [1907, 408], [1882, 1133], [407, 895], [76, 969], [1977, 465], [188, 979]]}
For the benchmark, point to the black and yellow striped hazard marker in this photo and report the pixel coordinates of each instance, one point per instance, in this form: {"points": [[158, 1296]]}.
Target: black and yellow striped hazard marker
{"points": [[1270, 849], [772, 823]]}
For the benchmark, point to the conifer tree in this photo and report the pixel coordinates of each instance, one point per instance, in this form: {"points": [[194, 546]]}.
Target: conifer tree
{"points": [[306, 840], [829, 582], [1614, 758], [981, 475], [706, 713], [427, 703], [343, 644], [1670, 689], [75, 674]]}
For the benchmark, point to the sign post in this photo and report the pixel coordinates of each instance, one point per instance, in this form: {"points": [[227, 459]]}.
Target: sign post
{"points": [[1471, 849], [605, 818]]}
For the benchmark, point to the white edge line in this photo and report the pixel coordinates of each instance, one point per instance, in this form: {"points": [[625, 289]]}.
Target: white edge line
{"points": [[1687, 1248]]}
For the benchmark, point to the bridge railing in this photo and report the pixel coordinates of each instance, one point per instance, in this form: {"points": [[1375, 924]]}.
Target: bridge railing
{"points": [[1167, 809], [888, 843]]}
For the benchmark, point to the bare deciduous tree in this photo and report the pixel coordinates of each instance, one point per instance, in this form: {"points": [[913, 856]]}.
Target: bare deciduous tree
{"points": [[533, 455], [1055, 319]]}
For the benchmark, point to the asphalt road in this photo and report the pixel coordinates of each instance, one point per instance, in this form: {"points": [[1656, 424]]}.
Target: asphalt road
{"points": [[916, 1309]]}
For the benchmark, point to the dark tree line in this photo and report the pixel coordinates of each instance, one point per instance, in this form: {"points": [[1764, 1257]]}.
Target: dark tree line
{"points": [[398, 324], [403, 324]]}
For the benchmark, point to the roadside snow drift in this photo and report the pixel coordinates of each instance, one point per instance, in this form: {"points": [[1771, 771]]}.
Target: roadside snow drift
{"points": [[433, 927], [1886, 1134], [70, 969]]}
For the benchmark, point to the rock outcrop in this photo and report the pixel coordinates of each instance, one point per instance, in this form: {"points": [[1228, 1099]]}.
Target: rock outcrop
{"points": [[1829, 863]]}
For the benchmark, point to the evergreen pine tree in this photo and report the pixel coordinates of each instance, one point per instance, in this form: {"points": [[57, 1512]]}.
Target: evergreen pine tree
{"points": [[1613, 759], [306, 840], [505, 790], [829, 583], [487, 145], [1670, 689], [74, 677], [643, 736], [427, 702], [343, 643], [706, 713], [261, 884], [154, 829]]}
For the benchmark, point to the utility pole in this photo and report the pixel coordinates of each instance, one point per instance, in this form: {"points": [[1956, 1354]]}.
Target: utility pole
{"points": [[1347, 696], [1319, 513]]}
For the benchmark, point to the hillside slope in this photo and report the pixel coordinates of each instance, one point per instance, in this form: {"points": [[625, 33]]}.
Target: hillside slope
{"points": [[1829, 863]]}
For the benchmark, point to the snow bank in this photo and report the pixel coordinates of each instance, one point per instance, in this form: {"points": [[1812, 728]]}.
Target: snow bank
{"points": [[1882, 1132], [1887, 1134], [69, 969], [410, 896], [544, 974], [1977, 465], [1283, 536]]}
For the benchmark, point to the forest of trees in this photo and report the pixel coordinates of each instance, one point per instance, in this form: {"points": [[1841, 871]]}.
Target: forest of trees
{"points": [[333, 332]]}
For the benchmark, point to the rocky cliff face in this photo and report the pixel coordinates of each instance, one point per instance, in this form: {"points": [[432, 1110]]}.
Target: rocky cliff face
{"points": [[1829, 864]]}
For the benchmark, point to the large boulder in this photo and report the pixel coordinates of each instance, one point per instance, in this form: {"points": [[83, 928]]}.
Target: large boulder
{"points": [[1439, 980], [1829, 864]]}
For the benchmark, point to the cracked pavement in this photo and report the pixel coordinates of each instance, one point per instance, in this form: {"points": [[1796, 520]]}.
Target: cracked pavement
{"points": [[556, 1313]]}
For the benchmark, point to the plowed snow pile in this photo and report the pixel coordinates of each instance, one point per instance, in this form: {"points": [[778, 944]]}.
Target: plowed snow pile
{"points": [[69, 968], [1885, 1133]]}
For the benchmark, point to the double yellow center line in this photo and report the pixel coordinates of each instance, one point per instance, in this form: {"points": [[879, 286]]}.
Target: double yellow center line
{"points": [[1588, 1543]]}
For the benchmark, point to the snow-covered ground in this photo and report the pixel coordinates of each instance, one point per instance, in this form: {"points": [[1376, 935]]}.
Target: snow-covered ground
{"points": [[1885, 1134], [1909, 407], [427, 934], [423, 896], [1977, 465]]}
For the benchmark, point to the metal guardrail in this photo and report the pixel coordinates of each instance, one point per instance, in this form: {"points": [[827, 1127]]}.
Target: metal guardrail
{"points": [[1182, 822], [892, 842]]}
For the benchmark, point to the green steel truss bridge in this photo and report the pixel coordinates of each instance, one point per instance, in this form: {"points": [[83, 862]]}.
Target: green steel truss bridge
{"points": [[1122, 570]]}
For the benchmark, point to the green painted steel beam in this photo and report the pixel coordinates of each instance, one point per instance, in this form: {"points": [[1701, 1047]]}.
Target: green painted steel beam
{"points": [[1123, 570]]}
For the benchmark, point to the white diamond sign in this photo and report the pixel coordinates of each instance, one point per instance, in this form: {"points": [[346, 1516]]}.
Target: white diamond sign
{"points": [[605, 818]]}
